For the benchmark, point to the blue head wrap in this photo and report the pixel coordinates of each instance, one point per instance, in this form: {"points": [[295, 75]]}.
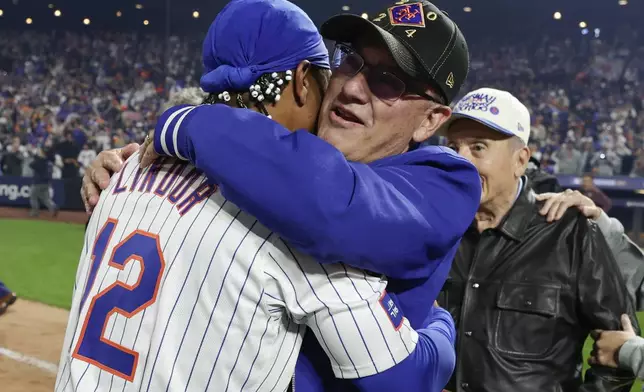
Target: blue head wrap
{"points": [[253, 37]]}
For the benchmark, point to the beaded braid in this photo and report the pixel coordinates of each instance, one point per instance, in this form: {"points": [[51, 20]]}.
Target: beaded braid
{"points": [[267, 88]]}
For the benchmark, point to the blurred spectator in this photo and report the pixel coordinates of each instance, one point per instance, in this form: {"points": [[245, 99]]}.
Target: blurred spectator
{"points": [[547, 164], [638, 165], [41, 166], [69, 152], [538, 130], [586, 153], [570, 159], [85, 158], [590, 190], [12, 160], [605, 163]]}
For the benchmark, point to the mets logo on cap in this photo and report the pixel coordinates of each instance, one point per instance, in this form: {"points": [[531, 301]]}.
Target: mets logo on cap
{"points": [[407, 15]]}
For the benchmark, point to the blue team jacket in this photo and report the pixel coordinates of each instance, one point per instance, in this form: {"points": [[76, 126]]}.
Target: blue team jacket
{"points": [[402, 216]]}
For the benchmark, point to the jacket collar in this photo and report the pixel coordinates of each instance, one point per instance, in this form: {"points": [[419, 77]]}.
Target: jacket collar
{"points": [[517, 220]]}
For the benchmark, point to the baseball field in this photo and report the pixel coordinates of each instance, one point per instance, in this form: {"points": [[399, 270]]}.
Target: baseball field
{"points": [[38, 261]]}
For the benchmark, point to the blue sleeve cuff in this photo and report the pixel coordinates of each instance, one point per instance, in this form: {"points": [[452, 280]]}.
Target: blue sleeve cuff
{"points": [[169, 136]]}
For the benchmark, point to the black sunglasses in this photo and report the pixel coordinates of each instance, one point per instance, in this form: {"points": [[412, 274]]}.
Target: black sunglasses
{"points": [[384, 84]]}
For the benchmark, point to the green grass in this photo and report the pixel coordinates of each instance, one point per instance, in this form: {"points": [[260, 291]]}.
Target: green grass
{"points": [[38, 259]]}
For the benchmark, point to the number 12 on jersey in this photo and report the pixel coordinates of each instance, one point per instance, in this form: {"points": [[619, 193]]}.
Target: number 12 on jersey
{"points": [[128, 300]]}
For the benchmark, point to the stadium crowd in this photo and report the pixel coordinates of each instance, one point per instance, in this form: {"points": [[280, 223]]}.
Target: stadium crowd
{"points": [[102, 91], [585, 94], [585, 97]]}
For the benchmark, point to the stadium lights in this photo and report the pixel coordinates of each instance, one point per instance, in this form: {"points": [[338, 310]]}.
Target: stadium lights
{"points": [[57, 13], [467, 9], [139, 6], [146, 22], [622, 2], [345, 8], [597, 33], [557, 15], [365, 15], [582, 25], [1, 12], [29, 21], [86, 21], [195, 14], [584, 32], [118, 14]]}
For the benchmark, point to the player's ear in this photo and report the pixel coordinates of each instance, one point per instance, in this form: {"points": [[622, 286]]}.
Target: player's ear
{"points": [[301, 83]]}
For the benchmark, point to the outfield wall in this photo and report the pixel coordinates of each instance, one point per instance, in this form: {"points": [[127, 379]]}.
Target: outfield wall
{"points": [[16, 192]]}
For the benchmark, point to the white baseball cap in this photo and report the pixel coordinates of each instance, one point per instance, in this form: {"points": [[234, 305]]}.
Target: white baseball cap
{"points": [[496, 109]]}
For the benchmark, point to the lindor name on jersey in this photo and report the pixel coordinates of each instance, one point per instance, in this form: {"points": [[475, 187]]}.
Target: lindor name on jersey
{"points": [[148, 180]]}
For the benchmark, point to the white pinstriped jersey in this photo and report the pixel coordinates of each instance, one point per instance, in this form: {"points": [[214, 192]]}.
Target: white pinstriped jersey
{"points": [[178, 290]]}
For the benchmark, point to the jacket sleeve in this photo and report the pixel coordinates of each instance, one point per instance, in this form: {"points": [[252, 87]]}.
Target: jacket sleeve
{"points": [[603, 299], [631, 356], [628, 255], [428, 368], [390, 218]]}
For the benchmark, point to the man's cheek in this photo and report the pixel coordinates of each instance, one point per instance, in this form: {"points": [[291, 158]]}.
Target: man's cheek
{"points": [[335, 87]]}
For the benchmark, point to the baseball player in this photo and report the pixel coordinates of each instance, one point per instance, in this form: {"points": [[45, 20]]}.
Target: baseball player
{"points": [[178, 289], [7, 298]]}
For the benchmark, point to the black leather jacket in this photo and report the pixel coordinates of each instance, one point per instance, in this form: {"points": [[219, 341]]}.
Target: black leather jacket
{"points": [[525, 296]]}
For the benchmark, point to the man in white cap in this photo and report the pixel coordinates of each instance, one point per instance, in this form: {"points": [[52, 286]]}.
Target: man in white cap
{"points": [[525, 292]]}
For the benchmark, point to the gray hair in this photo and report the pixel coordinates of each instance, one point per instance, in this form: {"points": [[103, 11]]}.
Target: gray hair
{"points": [[186, 96]]}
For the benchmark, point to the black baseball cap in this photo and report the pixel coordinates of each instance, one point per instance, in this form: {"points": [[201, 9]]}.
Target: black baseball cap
{"points": [[425, 43]]}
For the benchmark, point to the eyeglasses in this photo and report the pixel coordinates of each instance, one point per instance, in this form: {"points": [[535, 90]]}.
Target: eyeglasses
{"points": [[385, 85]]}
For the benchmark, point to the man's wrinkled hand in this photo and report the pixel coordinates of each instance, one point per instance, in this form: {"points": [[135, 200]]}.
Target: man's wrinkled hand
{"points": [[556, 205], [607, 344], [97, 176]]}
